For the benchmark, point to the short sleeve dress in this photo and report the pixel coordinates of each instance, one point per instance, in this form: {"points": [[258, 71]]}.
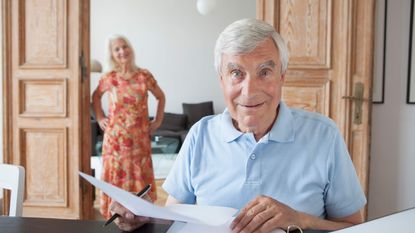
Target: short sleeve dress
{"points": [[126, 148]]}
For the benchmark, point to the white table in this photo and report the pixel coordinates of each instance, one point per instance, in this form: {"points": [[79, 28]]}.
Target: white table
{"points": [[401, 222]]}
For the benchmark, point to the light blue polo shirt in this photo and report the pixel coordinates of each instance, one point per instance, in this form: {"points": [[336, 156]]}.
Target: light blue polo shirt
{"points": [[302, 162]]}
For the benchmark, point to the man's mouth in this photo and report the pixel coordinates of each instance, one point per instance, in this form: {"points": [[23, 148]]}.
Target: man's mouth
{"points": [[251, 105]]}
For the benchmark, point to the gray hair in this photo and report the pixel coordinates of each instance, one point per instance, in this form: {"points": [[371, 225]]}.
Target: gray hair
{"points": [[111, 65], [243, 36]]}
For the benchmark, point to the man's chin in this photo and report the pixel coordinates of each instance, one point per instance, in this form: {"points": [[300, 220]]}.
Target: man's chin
{"points": [[248, 124]]}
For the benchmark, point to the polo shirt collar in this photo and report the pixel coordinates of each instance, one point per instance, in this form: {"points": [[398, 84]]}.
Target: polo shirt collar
{"points": [[230, 133], [281, 131], [283, 128]]}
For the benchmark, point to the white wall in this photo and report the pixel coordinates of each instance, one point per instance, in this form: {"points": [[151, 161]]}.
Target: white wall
{"points": [[172, 40], [392, 168]]}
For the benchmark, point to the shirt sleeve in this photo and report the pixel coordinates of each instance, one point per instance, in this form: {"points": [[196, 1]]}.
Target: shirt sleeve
{"points": [[105, 82], [150, 80], [344, 195], [178, 183]]}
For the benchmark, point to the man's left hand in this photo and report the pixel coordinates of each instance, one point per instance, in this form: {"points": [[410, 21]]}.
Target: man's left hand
{"points": [[264, 214]]}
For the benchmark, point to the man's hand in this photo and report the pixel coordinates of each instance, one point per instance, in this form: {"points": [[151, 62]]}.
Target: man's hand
{"points": [[127, 220], [264, 214]]}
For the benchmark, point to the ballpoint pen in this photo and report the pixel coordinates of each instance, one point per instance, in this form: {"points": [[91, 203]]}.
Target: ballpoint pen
{"points": [[142, 193]]}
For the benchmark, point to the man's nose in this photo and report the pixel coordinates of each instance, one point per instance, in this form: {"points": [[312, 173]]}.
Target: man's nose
{"points": [[249, 86]]}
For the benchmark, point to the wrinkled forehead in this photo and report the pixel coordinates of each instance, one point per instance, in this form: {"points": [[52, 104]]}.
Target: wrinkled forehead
{"points": [[264, 55], [261, 65]]}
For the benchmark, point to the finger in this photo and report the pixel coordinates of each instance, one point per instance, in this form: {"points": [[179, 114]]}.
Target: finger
{"points": [[259, 220], [116, 207], [242, 213], [271, 224], [246, 221], [147, 198]]}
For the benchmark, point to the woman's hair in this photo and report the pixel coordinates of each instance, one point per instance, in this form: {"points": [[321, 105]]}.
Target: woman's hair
{"points": [[243, 36], [111, 64]]}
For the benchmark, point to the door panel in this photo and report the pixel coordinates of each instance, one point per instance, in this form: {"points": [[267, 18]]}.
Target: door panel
{"points": [[331, 49], [46, 100]]}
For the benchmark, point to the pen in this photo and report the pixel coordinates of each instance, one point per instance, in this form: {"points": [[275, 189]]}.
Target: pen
{"points": [[142, 193]]}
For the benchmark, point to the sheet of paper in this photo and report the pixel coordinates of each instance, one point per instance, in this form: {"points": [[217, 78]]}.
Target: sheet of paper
{"points": [[209, 215], [182, 227], [136, 205], [206, 214]]}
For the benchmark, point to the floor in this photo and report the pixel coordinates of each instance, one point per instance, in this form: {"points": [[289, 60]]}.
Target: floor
{"points": [[161, 199]]}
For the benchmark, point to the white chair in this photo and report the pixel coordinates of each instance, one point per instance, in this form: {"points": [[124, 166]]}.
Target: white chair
{"points": [[12, 178]]}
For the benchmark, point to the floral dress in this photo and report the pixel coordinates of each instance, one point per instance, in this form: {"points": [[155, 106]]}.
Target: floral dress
{"points": [[127, 147]]}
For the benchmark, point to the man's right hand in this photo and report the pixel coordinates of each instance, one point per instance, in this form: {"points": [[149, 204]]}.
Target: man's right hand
{"points": [[127, 221]]}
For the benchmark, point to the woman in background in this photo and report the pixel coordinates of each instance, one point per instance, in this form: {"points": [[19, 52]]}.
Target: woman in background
{"points": [[127, 147]]}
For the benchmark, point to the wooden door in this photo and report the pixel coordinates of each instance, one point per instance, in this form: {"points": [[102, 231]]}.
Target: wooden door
{"points": [[331, 58], [46, 103]]}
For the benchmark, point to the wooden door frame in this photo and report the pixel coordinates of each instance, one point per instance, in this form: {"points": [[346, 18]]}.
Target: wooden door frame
{"points": [[5, 72], [85, 201]]}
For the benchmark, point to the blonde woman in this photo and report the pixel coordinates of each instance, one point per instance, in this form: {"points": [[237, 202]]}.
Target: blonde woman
{"points": [[126, 148]]}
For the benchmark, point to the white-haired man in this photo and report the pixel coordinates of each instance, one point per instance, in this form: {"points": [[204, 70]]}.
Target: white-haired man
{"points": [[279, 166]]}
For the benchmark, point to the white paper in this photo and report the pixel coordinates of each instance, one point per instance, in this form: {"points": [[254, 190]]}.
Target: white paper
{"points": [[203, 215], [181, 227], [211, 215], [188, 218]]}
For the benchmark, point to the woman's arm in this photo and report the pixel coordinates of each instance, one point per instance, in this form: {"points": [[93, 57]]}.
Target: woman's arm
{"points": [[161, 102], [97, 106]]}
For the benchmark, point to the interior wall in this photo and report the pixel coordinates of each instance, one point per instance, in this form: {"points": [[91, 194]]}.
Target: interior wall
{"points": [[392, 169], [172, 40]]}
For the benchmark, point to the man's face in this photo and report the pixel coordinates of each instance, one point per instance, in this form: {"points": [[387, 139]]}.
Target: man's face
{"points": [[252, 85]]}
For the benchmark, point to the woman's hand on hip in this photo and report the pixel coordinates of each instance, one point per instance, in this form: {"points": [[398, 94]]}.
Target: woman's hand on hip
{"points": [[154, 125], [103, 123]]}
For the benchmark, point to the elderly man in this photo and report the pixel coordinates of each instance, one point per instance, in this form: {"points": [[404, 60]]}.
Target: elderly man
{"points": [[282, 167]]}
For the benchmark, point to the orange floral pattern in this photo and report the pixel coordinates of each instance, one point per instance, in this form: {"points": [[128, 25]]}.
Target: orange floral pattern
{"points": [[127, 147]]}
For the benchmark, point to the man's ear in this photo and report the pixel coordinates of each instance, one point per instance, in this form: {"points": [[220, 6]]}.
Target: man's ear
{"points": [[282, 78], [221, 81]]}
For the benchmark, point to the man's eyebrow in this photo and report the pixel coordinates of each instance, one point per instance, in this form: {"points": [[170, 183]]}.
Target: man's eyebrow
{"points": [[269, 63], [232, 66]]}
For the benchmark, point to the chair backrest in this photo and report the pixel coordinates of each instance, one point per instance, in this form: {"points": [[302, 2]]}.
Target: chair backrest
{"points": [[12, 178]]}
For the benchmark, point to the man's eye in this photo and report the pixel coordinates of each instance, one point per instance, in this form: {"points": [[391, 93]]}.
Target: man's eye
{"points": [[236, 73], [265, 73]]}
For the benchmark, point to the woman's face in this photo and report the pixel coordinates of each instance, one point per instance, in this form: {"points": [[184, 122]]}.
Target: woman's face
{"points": [[121, 52]]}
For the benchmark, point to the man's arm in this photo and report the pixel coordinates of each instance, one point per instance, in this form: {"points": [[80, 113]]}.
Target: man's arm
{"points": [[265, 214], [331, 224]]}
